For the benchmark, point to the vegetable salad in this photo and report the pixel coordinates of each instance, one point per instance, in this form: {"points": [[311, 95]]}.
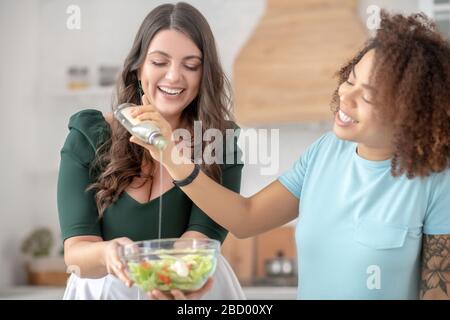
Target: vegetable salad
{"points": [[187, 272]]}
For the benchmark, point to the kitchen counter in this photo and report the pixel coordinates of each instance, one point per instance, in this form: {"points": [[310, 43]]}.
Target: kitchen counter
{"points": [[31, 293], [56, 293], [270, 293]]}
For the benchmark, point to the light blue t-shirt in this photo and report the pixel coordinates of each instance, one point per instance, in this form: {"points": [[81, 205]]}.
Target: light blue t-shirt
{"points": [[359, 231]]}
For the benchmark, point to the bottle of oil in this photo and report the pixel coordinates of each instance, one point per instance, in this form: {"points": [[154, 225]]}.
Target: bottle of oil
{"points": [[147, 131]]}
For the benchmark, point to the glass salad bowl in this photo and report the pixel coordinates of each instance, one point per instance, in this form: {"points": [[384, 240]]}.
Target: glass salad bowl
{"points": [[166, 264]]}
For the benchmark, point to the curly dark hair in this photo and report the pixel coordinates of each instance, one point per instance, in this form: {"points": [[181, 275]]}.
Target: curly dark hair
{"points": [[117, 160], [411, 74]]}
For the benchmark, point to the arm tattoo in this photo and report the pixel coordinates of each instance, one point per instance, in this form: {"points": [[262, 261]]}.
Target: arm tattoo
{"points": [[435, 265]]}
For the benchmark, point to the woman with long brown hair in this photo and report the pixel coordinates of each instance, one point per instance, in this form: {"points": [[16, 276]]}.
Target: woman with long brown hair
{"points": [[110, 190], [373, 196]]}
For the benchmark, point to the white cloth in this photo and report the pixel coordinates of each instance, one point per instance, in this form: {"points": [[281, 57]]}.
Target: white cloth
{"points": [[225, 287]]}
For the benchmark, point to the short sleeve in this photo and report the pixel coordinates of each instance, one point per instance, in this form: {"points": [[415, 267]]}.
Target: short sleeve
{"points": [[231, 179], [293, 178], [77, 210], [437, 218]]}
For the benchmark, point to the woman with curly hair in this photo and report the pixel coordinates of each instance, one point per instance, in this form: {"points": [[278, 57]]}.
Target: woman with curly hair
{"points": [[111, 191], [373, 196]]}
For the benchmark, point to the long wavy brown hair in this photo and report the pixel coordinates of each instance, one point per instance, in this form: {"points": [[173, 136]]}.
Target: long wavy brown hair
{"points": [[118, 161], [411, 74]]}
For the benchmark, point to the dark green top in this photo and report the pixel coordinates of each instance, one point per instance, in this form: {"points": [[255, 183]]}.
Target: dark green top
{"points": [[126, 217]]}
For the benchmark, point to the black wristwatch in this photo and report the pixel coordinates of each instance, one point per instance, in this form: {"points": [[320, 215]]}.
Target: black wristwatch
{"points": [[189, 179]]}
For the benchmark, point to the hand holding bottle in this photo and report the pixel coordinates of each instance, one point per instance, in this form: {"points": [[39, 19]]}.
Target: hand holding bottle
{"points": [[148, 112]]}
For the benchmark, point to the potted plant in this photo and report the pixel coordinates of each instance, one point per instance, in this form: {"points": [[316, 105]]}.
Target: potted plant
{"points": [[42, 267]]}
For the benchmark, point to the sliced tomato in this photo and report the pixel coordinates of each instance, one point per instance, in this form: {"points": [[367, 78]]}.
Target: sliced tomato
{"points": [[164, 278]]}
